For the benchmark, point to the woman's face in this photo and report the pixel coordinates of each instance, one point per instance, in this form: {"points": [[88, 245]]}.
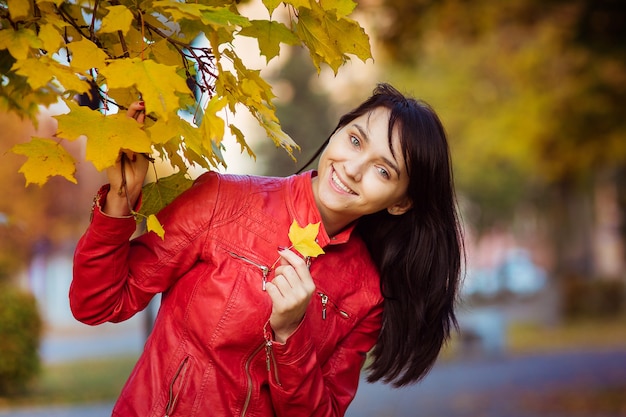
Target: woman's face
{"points": [[358, 174]]}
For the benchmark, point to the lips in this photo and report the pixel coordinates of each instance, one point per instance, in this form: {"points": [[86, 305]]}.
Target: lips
{"points": [[339, 184]]}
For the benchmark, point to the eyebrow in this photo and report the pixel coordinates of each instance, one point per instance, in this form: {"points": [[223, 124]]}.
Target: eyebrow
{"points": [[365, 137]]}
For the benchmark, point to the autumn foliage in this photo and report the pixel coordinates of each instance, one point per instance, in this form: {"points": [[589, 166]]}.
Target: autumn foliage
{"points": [[177, 56]]}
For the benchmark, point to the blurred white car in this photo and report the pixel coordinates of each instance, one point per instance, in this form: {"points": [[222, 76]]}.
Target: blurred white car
{"points": [[516, 274]]}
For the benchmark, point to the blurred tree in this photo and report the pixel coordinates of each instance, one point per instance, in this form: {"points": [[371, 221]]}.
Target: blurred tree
{"points": [[532, 94], [29, 215], [20, 333], [305, 116]]}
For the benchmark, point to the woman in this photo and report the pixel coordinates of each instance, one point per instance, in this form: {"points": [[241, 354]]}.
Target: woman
{"points": [[238, 335]]}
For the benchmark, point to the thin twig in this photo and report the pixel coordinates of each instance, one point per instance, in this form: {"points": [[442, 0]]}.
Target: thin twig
{"points": [[92, 34], [123, 42]]}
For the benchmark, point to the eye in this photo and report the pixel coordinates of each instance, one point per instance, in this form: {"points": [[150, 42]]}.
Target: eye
{"points": [[383, 172], [355, 141]]}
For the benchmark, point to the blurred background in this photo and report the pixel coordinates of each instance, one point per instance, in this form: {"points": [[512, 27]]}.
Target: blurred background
{"points": [[533, 96]]}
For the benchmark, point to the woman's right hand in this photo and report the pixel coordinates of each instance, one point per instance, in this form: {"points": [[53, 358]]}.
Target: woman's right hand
{"points": [[135, 169]]}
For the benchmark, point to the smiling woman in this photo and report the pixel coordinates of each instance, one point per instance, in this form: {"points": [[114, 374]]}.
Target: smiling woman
{"points": [[384, 202], [360, 173]]}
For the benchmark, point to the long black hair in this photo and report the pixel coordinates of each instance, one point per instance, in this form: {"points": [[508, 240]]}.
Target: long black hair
{"points": [[419, 253]]}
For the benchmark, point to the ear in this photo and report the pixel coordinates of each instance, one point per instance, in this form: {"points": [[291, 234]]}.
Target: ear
{"points": [[400, 207]]}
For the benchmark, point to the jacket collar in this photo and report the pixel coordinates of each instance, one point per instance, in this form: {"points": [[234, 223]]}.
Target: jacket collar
{"points": [[302, 207]]}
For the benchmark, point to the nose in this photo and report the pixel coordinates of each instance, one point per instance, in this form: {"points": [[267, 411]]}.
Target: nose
{"points": [[354, 169]]}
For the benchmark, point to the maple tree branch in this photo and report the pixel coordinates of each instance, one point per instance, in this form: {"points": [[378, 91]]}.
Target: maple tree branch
{"points": [[126, 54], [68, 19], [92, 34]]}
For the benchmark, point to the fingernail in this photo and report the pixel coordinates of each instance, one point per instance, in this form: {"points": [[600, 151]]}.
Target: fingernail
{"points": [[141, 103], [281, 248], [134, 158]]}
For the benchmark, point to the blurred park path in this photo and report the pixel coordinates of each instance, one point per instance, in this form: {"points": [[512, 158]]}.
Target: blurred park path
{"points": [[498, 387], [503, 386]]}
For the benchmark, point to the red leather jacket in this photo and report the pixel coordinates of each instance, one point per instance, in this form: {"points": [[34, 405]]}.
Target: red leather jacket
{"points": [[210, 352]]}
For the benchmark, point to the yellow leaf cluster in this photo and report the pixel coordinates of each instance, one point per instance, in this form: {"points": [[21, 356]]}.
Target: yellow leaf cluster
{"points": [[175, 56]]}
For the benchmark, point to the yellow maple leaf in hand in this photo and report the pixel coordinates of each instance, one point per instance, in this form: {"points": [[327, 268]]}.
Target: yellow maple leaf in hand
{"points": [[303, 239]]}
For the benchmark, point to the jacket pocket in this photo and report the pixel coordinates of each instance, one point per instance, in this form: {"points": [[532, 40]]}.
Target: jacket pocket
{"points": [[331, 321], [264, 269], [327, 303], [177, 386]]}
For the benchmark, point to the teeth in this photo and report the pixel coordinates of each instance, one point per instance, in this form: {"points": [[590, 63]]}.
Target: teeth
{"points": [[340, 184]]}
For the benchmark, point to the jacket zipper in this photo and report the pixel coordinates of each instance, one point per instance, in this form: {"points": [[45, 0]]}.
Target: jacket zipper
{"points": [[264, 269], [325, 300], [246, 404], [269, 353], [173, 399]]}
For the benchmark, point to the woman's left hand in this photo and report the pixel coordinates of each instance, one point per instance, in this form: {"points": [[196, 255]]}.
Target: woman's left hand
{"points": [[290, 291]]}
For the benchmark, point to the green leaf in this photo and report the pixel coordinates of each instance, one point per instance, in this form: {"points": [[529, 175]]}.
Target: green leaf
{"points": [[213, 16], [106, 135], [46, 158], [162, 192], [299, 3], [158, 83], [271, 5], [153, 225], [119, 18], [270, 34], [342, 7]]}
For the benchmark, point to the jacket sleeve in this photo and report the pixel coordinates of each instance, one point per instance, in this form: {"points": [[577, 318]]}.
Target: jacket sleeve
{"points": [[115, 277], [301, 386]]}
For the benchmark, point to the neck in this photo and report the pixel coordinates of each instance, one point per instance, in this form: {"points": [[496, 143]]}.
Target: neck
{"points": [[333, 222]]}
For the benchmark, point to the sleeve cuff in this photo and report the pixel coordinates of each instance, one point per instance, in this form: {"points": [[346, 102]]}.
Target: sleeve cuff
{"points": [[117, 228], [296, 347]]}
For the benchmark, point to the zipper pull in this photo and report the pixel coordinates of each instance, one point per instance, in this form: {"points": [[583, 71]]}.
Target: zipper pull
{"points": [[265, 270], [268, 354], [324, 300]]}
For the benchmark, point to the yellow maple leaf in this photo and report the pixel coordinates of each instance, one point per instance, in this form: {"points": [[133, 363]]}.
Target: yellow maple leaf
{"points": [[212, 125], [46, 158], [158, 83], [270, 35], [50, 37], [19, 42], [153, 225], [330, 37], [303, 239], [86, 55], [239, 137], [106, 135], [118, 18], [19, 9]]}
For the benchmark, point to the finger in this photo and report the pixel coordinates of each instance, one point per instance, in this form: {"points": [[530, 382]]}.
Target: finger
{"points": [[299, 265], [274, 292], [136, 110], [130, 155]]}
